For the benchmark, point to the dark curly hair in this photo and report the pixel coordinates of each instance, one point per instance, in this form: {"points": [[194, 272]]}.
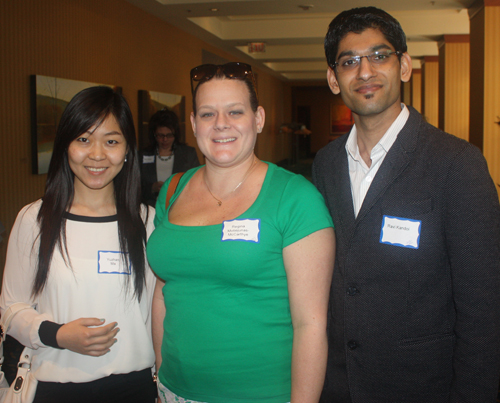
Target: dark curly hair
{"points": [[164, 118]]}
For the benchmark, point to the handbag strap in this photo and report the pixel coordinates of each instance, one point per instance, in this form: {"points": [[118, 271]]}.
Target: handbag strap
{"points": [[172, 186]]}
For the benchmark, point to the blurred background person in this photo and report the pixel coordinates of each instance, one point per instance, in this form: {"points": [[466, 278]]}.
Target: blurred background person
{"points": [[165, 156]]}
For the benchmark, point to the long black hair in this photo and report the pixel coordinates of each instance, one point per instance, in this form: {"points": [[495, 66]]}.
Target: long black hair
{"points": [[90, 107]]}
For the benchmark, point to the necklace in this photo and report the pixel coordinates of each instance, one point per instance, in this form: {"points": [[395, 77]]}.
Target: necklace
{"points": [[165, 159], [219, 201]]}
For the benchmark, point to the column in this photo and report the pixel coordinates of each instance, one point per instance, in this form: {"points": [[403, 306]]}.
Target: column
{"points": [[430, 89], [454, 85], [416, 89], [484, 18]]}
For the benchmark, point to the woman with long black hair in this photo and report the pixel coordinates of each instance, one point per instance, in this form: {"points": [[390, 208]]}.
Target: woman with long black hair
{"points": [[77, 256]]}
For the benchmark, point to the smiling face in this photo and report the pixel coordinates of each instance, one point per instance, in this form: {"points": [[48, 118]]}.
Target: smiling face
{"points": [[97, 156], [370, 90], [225, 126]]}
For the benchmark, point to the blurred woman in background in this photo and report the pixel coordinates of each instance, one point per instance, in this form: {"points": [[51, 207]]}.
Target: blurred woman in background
{"points": [[165, 156]]}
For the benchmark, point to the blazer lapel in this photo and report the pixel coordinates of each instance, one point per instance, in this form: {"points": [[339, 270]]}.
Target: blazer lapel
{"points": [[343, 192], [394, 164]]}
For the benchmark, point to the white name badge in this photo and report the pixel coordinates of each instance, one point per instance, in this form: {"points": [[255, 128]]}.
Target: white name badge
{"points": [[148, 159], [109, 262], [241, 230], [400, 232]]}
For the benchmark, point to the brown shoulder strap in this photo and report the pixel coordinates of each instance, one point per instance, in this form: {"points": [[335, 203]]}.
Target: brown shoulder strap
{"points": [[172, 186]]}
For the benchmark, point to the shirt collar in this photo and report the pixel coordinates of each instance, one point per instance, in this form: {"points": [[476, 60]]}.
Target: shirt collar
{"points": [[387, 139]]}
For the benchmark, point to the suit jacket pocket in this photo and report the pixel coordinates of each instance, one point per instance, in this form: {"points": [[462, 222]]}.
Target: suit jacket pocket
{"points": [[426, 362]]}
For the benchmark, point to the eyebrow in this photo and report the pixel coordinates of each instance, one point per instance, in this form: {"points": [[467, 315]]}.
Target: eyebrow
{"points": [[106, 134], [372, 49]]}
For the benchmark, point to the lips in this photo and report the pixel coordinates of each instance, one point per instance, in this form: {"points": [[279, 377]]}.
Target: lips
{"points": [[96, 170], [228, 140], [368, 89]]}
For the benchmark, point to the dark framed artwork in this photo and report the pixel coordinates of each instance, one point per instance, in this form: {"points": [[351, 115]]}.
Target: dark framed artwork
{"points": [[341, 119], [150, 102], [49, 96]]}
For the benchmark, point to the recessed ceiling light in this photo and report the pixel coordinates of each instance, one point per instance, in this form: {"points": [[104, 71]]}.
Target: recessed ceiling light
{"points": [[214, 10]]}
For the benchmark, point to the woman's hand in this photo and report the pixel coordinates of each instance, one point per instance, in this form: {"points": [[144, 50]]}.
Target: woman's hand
{"points": [[87, 336]]}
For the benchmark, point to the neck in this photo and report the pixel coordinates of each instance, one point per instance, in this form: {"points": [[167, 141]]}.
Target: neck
{"points": [[370, 129], [164, 152], [93, 203], [223, 181]]}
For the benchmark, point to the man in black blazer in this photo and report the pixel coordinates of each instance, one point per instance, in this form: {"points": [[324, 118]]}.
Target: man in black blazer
{"points": [[414, 306]]}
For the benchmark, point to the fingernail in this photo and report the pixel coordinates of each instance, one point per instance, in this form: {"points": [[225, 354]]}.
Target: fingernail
{"points": [[102, 320], [118, 330]]}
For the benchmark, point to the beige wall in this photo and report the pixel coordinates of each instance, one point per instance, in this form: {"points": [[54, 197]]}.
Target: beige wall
{"points": [[109, 42]]}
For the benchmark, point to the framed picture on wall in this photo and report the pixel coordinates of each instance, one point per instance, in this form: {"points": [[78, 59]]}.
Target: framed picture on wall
{"points": [[150, 102], [341, 119], [49, 97]]}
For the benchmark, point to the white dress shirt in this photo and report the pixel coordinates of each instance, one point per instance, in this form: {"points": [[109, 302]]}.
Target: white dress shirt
{"points": [[360, 174]]}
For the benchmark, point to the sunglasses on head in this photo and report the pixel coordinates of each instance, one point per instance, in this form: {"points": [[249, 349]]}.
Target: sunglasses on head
{"points": [[206, 72]]}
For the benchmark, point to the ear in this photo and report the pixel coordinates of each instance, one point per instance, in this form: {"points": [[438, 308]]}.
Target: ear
{"points": [[193, 122], [260, 118], [406, 67], [332, 81]]}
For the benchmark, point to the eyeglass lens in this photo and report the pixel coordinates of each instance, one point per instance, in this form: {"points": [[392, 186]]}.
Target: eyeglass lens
{"points": [[347, 63]]}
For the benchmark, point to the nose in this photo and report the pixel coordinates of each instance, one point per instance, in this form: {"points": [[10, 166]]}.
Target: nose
{"points": [[97, 152], [365, 69], [221, 122]]}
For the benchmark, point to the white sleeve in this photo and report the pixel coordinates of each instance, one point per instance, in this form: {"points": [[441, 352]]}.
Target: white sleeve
{"points": [[18, 276]]}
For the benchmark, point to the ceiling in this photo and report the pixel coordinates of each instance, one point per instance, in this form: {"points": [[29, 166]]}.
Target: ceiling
{"points": [[293, 30]]}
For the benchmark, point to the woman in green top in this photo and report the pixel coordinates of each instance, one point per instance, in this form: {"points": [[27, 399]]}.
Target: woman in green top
{"points": [[245, 251]]}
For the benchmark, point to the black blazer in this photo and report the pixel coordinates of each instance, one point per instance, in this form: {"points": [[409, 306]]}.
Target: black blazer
{"points": [[414, 325], [185, 158]]}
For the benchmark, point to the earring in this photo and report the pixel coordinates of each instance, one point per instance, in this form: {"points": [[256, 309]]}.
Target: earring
{"points": [[125, 159]]}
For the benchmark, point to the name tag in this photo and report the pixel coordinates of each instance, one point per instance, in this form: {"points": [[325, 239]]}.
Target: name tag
{"points": [[109, 262], [241, 230], [148, 159], [400, 232]]}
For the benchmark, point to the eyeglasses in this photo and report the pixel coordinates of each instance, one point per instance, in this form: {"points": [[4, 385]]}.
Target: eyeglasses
{"points": [[164, 136], [206, 72], [376, 59]]}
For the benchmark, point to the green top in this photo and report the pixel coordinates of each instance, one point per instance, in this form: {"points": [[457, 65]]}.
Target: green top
{"points": [[227, 330]]}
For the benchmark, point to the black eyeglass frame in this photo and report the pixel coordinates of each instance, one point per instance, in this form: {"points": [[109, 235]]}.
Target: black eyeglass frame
{"points": [[368, 57], [230, 70]]}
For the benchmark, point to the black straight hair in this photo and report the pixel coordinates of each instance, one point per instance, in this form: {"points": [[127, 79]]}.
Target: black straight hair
{"points": [[358, 20], [89, 108]]}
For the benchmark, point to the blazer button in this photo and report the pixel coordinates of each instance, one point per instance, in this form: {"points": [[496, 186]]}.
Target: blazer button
{"points": [[352, 344], [352, 291]]}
